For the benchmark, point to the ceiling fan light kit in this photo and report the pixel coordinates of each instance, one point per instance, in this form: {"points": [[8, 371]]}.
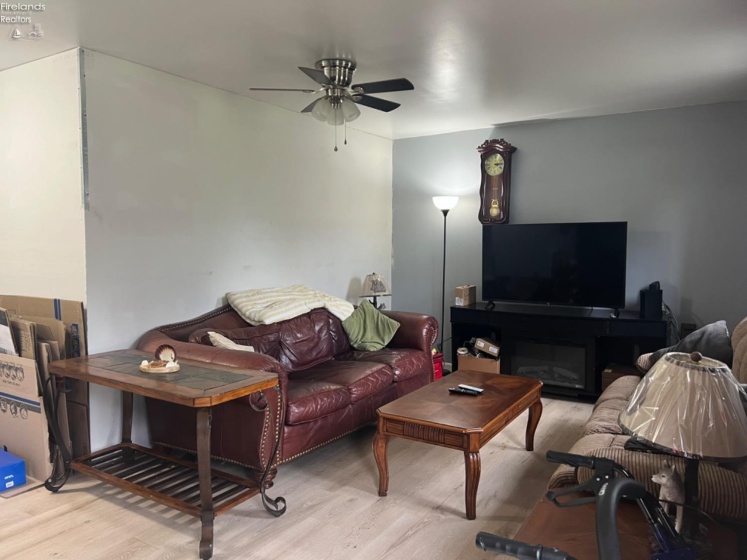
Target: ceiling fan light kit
{"points": [[339, 105]]}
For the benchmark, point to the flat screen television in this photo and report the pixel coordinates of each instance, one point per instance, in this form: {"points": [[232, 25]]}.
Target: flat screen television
{"points": [[581, 264]]}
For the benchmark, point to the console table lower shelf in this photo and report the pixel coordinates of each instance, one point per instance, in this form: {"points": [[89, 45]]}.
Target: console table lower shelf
{"points": [[167, 480], [193, 488]]}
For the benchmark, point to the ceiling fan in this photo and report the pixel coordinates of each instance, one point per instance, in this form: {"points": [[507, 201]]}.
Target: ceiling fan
{"points": [[338, 104]]}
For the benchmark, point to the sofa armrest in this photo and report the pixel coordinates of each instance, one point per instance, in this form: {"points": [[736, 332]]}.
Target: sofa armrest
{"points": [[415, 330], [720, 490], [220, 356]]}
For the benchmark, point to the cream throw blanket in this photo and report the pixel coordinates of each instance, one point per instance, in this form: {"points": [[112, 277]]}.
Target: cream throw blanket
{"points": [[272, 305]]}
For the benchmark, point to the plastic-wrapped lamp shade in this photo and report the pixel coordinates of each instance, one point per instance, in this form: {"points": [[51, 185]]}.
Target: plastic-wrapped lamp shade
{"points": [[689, 408]]}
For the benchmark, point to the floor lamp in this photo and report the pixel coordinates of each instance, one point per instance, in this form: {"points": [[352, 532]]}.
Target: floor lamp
{"points": [[444, 203]]}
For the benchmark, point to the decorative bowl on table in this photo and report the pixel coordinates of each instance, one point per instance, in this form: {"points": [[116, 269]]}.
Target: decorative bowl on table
{"points": [[165, 361]]}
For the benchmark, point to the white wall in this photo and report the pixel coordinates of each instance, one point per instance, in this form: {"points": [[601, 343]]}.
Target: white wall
{"points": [[677, 176], [42, 247], [196, 192]]}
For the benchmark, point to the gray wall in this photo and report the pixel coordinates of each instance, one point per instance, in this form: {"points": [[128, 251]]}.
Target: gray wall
{"points": [[677, 176]]}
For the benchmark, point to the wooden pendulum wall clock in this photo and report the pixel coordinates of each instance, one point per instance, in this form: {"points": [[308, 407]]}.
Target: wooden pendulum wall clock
{"points": [[495, 188]]}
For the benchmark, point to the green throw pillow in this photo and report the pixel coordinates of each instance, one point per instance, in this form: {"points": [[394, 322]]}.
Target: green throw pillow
{"points": [[368, 329]]}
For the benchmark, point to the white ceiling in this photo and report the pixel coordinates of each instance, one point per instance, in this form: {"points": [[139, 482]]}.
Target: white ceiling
{"points": [[474, 63]]}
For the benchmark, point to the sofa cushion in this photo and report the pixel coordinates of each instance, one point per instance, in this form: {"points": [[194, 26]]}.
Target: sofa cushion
{"points": [[712, 341], [265, 339], [604, 418], [621, 388], [306, 341], [565, 475], [404, 362], [220, 341], [361, 379], [644, 362], [739, 344], [368, 328], [311, 399], [718, 488]]}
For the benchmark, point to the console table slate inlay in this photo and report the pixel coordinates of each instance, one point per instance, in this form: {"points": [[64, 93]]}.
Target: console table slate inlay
{"points": [[194, 489]]}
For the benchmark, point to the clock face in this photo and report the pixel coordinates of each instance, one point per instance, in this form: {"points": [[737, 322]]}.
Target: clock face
{"points": [[494, 164]]}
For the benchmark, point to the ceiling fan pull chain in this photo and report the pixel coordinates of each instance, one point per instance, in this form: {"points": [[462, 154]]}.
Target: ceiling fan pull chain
{"points": [[346, 133], [335, 137]]}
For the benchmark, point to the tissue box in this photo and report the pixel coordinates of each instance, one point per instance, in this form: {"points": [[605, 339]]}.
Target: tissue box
{"points": [[465, 295], [12, 471]]}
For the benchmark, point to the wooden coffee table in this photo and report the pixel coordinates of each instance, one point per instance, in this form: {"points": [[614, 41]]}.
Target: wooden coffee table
{"points": [[193, 489], [433, 415]]}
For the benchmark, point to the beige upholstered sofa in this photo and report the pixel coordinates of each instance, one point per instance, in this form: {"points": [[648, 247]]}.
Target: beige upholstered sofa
{"points": [[723, 491]]}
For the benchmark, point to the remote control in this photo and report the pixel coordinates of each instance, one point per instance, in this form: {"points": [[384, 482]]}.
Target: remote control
{"points": [[462, 391], [471, 388]]}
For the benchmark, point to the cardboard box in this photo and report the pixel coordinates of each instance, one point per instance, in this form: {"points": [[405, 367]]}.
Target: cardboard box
{"points": [[12, 471], [23, 421], [472, 363], [60, 322], [487, 346], [465, 295], [67, 311]]}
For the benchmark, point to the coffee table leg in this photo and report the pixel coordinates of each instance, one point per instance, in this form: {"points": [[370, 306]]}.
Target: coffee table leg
{"points": [[207, 515], [472, 466], [379, 449], [535, 412]]}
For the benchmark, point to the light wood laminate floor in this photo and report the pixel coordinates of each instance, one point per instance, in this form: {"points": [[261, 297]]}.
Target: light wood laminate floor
{"points": [[334, 511]]}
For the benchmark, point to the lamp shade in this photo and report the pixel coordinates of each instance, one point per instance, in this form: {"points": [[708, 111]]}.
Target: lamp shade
{"points": [[689, 406], [375, 285], [445, 202]]}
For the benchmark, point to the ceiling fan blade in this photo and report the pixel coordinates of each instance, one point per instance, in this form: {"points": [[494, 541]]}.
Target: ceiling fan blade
{"points": [[282, 89], [310, 106], [317, 75], [376, 103], [399, 84]]}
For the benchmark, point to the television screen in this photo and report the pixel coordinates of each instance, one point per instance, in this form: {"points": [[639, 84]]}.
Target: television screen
{"points": [[566, 264]]}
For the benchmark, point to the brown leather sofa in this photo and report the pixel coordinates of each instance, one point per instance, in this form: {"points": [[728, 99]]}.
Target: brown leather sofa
{"points": [[328, 389]]}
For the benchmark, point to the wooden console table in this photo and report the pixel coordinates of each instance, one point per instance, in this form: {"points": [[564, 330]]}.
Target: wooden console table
{"points": [[193, 489]]}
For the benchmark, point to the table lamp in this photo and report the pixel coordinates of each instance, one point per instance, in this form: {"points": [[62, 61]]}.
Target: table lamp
{"points": [[689, 406], [374, 286]]}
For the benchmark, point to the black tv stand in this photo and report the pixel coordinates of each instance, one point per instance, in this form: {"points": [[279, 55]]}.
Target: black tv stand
{"points": [[542, 340]]}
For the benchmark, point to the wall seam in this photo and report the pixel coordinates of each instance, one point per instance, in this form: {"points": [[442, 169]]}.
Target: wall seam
{"points": [[83, 129]]}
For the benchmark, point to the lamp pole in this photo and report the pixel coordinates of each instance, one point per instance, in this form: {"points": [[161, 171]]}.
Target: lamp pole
{"points": [[444, 203], [445, 211]]}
